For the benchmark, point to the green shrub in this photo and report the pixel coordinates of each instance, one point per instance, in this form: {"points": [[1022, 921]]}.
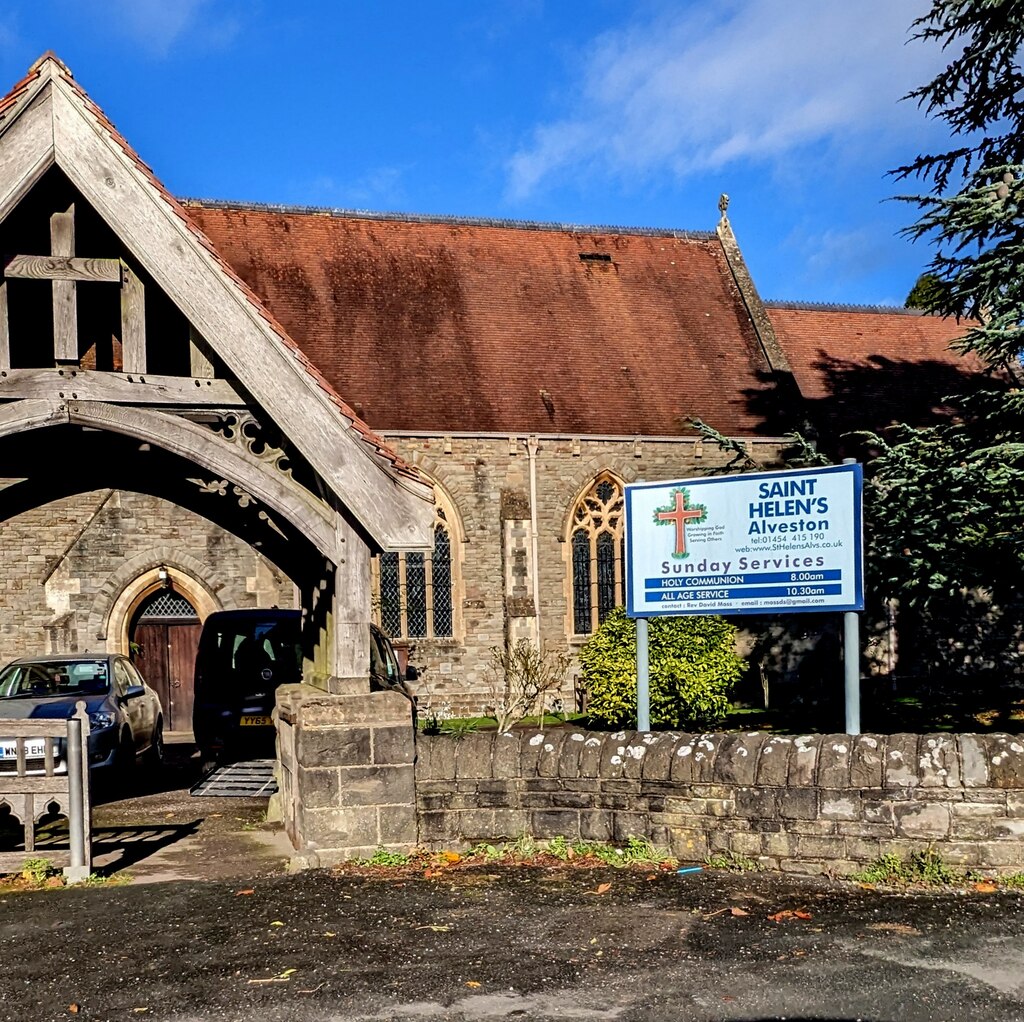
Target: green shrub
{"points": [[693, 664]]}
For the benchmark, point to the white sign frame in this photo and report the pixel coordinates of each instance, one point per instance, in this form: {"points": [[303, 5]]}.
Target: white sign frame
{"points": [[793, 568]]}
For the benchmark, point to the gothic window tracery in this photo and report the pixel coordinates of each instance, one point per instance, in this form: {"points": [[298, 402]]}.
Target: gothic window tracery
{"points": [[415, 592], [598, 561]]}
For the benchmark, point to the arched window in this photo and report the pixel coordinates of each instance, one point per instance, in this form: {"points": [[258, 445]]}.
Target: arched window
{"points": [[415, 593], [598, 563]]}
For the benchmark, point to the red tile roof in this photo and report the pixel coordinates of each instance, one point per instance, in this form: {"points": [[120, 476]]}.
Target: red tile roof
{"points": [[449, 325], [862, 368]]}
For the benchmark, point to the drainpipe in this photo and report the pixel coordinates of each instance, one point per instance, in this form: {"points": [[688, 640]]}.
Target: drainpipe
{"points": [[531, 449]]}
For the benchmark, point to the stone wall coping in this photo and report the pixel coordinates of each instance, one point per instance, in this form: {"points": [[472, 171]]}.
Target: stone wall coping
{"points": [[310, 707], [832, 761]]}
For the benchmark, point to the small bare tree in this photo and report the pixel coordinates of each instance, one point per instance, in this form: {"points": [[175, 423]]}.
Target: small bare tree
{"points": [[523, 675]]}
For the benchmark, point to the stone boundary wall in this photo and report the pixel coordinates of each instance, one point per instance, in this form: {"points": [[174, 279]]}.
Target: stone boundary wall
{"points": [[800, 804]]}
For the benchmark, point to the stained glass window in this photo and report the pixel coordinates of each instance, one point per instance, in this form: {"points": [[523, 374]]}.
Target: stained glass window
{"points": [[598, 561], [415, 592]]}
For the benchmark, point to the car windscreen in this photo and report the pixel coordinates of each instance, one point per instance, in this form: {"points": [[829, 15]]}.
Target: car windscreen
{"points": [[54, 678], [250, 655]]}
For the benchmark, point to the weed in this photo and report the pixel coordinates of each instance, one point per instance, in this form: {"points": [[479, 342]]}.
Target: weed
{"points": [[558, 847], [734, 862], [921, 868], [117, 880], [1015, 881], [382, 857], [459, 728], [524, 847], [38, 871], [489, 852]]}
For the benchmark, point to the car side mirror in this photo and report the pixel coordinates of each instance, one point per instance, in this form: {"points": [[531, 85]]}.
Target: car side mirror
{"points": [[134, 691], [411, 673]]}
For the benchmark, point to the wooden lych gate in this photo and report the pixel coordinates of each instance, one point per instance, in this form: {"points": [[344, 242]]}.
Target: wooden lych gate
{"points": [[132, 357]]}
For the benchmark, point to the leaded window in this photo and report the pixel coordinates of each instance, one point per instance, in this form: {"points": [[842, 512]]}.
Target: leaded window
{"points": [[415, 591], [598, 561]]}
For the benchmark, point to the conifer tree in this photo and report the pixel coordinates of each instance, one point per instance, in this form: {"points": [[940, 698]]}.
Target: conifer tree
{"points": [[946, 502]]}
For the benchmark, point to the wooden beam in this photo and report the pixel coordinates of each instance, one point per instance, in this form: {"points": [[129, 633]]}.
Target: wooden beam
{"points": [[65, 307], [118, 388], [198, 353], [133, 322], [55, 267], [277, 490], [5, 330], [27, 150], [11, 784]]}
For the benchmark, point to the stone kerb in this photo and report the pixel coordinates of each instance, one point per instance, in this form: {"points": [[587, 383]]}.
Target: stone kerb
{"points": [[346, 782], [801, 803]]}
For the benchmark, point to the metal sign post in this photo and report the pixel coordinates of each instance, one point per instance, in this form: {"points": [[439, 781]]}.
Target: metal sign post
{"points": [[643, 677], [851, 661]]}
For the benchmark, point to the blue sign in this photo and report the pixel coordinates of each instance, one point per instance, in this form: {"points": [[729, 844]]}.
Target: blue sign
{"points": [[746, 544]]}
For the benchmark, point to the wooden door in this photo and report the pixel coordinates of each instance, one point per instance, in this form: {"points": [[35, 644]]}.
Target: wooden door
{"points": [[151, 659], [182, 644], [167, 660]]}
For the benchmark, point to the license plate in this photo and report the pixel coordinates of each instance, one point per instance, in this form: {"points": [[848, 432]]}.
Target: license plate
{"points": [[253, 721], [35, 748]]}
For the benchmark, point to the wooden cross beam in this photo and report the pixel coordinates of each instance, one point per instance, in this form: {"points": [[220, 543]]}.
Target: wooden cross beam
{"points": [[65, 270]]}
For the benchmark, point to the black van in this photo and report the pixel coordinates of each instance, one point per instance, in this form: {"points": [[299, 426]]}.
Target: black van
{"points": [[243, 656]]}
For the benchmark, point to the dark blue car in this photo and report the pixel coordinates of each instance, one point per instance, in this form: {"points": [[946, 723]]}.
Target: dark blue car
{"points": [[125, 716]]}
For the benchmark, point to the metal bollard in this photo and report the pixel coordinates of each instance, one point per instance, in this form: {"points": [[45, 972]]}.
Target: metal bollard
{"points": [[77, 871]]}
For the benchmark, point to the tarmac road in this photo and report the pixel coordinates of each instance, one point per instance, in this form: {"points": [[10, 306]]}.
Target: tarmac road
{"points": [[509, 943]]}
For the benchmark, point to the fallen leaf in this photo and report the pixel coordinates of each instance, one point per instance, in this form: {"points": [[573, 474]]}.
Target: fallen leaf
{"points": [[74, 1008], [451, 857], [472, 983], [239, 894], [287, 973], [329, 934], [738, 911], [277, 922], [651, 876], [601, 889], [901, 928], [789, 913], [986, 887]]}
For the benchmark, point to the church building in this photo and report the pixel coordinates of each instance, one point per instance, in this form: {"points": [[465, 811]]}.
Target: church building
{"points": [[522, 371]]}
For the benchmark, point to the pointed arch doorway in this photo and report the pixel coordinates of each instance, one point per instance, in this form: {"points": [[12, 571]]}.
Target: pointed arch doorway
{"points": [[164, 637]]}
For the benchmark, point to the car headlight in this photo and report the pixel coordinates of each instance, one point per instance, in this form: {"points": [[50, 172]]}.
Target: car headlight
{"points": [[101, 718]]}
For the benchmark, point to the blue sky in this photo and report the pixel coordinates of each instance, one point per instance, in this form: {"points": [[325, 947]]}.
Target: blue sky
{"points": [[604, 112]]}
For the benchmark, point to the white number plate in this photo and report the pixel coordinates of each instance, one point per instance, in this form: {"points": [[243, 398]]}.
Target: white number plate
{"points": [[35, 748]]}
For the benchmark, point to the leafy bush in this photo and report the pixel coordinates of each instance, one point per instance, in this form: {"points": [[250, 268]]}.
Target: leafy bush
{"points": [[693, 664]]}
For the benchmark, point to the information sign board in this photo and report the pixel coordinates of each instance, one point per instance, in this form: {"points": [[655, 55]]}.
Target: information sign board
{"points": [[746, 544]]}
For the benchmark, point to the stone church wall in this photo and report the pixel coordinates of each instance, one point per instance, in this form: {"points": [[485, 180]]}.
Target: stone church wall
{"points": [[64, 563], [808, 804], [488, 482]]}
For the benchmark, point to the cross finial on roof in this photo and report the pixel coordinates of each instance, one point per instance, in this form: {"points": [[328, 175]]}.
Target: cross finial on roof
{"points": [[723, 203]]}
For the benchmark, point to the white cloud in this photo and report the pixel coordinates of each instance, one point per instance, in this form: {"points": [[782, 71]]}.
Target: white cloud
{"points": [[744, 80], [158, 25]]}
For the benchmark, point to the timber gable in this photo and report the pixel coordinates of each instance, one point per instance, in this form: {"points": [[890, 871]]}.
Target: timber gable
{"points": [[230, 354]]}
